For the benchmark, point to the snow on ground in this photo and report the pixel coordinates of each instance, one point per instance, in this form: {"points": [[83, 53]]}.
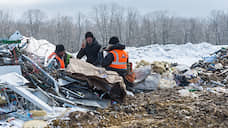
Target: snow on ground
{"points": [[183, 54]]}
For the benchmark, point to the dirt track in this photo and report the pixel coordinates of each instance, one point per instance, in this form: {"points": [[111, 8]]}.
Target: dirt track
{"points": [[161, 108]]}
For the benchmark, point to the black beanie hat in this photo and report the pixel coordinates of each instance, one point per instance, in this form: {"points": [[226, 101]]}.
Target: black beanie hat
{"points": [[114, 40], [88, 34], [59, 48]]}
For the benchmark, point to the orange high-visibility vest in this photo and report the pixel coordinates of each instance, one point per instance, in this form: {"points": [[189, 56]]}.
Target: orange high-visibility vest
{"points": [[61, 62], [120, 59]]}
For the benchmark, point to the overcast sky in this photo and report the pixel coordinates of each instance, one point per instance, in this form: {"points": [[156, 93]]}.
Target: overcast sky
{"points": [[188, 8]]}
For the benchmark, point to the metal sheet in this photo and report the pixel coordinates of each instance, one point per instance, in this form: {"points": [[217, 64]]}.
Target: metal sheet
{"points": [[10, 69], [14, 81]]}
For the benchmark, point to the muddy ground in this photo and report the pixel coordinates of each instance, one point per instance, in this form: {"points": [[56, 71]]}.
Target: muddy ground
{"points": [[161, 108]]}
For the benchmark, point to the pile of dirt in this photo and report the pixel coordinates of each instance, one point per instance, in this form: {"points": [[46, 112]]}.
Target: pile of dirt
{"points": [[160, 108]]}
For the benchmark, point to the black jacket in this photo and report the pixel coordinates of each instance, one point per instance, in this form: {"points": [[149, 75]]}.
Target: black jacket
{"points": [[109, 58], [91, 52]]}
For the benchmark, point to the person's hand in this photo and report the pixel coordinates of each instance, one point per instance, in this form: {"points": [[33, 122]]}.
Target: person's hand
{"points": [[83, 44]]}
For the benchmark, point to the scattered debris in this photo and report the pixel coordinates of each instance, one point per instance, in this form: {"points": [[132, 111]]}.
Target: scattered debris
{"points": [[160, 108], [87, 96], [215, 69], [28, 91], [98, 78]]}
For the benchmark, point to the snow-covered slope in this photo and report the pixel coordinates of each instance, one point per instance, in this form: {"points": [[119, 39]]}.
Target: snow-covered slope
{"points": [[182, 54]]}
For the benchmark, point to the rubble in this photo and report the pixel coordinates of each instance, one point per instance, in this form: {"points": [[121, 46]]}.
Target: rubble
{"points": [[30, 92], [87, 96], [14, 82], [214, 67], [194, 103], [107, 81], [209, 74], [160, 108]]}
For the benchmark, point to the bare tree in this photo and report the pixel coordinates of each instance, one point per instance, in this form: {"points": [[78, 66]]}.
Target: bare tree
{"points": [[34, 18], [129, 25]]}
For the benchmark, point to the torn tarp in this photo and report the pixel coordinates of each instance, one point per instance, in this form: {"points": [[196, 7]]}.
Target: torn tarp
{"points": [[98, 78]]}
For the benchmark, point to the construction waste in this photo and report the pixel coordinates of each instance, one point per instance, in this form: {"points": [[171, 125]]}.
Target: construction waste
{"points": [[107, 81], [162, 108], [165, 95], [29, 91], [187, 98], [33, 96]]}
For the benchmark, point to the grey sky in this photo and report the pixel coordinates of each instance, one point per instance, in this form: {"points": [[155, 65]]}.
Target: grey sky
{"points": [[188, 8]]}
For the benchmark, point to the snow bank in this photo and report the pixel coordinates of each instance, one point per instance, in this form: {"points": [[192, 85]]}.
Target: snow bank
{"points": [[183, 54]]}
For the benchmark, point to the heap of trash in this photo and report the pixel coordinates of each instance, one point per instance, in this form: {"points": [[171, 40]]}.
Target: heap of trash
{"points": [[185, 98], [208, 74], [166, 95], [31, 94], [214, 69]]}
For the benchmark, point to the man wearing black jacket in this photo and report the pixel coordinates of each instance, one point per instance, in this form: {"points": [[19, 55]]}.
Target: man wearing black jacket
{"points": [[90, 48]]}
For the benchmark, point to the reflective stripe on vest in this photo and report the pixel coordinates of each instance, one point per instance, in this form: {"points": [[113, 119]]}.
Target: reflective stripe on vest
{"points": [[61, 62], [120, 59]]}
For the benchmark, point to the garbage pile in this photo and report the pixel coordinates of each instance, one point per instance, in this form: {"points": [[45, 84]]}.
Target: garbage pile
{"points": [[28, 90], [214, 69], [108, 81], [164, 107], [209, 74]]}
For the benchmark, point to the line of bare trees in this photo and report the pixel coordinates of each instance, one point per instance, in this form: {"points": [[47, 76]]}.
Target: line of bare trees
{"points": [[129, 25]]}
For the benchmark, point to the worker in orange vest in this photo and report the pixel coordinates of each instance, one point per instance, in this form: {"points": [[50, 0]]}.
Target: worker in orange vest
{"points": [[117, 59], [56, 59]]}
